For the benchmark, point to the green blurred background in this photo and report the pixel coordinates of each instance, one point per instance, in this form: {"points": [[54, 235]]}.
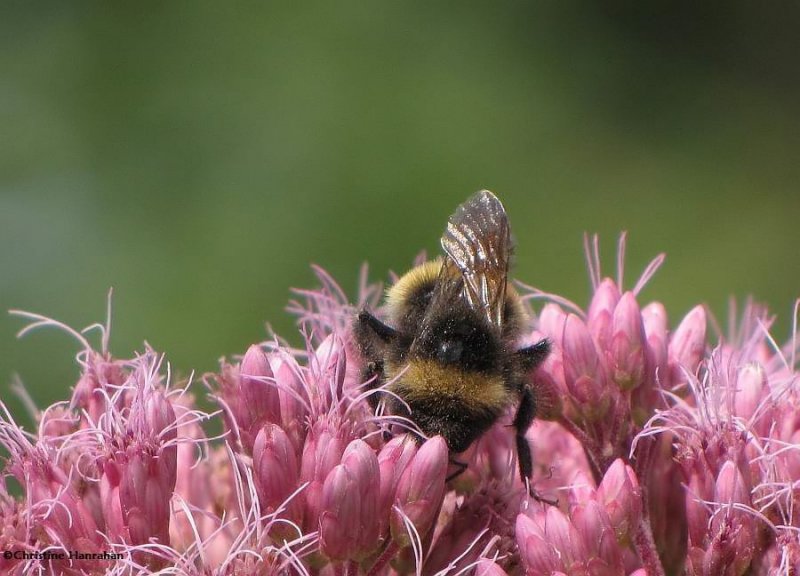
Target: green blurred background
{"points": [[199, 156]]}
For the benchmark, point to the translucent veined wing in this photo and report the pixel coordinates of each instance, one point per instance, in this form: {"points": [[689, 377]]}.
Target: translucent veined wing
{"points": [[477, 242]]}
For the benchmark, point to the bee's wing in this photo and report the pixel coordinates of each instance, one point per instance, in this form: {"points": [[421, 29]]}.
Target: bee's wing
{"points": [[477, 242]]}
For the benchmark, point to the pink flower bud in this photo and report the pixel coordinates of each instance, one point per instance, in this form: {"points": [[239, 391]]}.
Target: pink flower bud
{"points": [[551, 322], [361, 461], [688, 344], [393, 459], [13, 534], [654, 320], [599, 318], [255, 365], [562, 535], [293, 398], [627, 346], [322, 452], [56, 422], [548, 382], [486, 567], [549, 377], [621, 497], [109, 496], [99, 375], [582, 489], [789, 459], [144, 496], [276, 471], [144, 502], [258, 398], [340, 512], [645, 398], [159, 416], [54, 506], [593, 526], [731, 485], [667, 504], [723, 556], [420, 491], [752, 395], [330, 366], [539, 556], [139, 475], [548, 542], [493, 450], [583, 371], [192, 484], [699, 490], [733, 531], [160, 424]]}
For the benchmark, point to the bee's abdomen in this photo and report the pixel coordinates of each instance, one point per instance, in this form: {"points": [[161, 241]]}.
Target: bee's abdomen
{"points": [[456, 404], [441, 396], [424, 378]]}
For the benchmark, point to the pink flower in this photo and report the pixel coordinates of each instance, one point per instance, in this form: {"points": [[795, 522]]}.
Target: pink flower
{"points": [[628, 359], [592, 536], [139, 471], [486, 567], [322, 453], [548, 542], [584, 374], [621, 497], [600, 316], [258, 396], [419, 493], [658, 455], [348, 521], [470, 527], [277, 471], [251, 396], [393, 460], [732, 531], [688, 344]]}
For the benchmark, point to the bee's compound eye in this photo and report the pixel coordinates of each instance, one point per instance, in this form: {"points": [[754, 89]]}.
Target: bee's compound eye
{"points": [[450, 351]]}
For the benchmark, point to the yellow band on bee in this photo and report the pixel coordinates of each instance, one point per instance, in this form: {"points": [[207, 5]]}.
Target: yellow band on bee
{"points": [[426, 379]]}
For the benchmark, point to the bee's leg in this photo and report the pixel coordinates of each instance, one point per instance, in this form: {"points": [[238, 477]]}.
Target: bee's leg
{"points": [[373, 376], [534, 355], [372, 337], [460, 467], [522, 421]]}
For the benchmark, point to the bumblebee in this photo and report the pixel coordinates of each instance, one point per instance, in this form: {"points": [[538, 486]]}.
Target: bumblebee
{"points": [[449, 355]]}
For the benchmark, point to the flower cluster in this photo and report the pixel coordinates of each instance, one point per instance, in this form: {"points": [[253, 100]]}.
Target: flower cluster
{"points": [[656, 452], [593, 536]]}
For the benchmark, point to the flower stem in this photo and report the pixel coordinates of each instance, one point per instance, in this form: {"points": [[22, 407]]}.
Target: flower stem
{"points": [[589, 448], [383, 559], [646, 548]]}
